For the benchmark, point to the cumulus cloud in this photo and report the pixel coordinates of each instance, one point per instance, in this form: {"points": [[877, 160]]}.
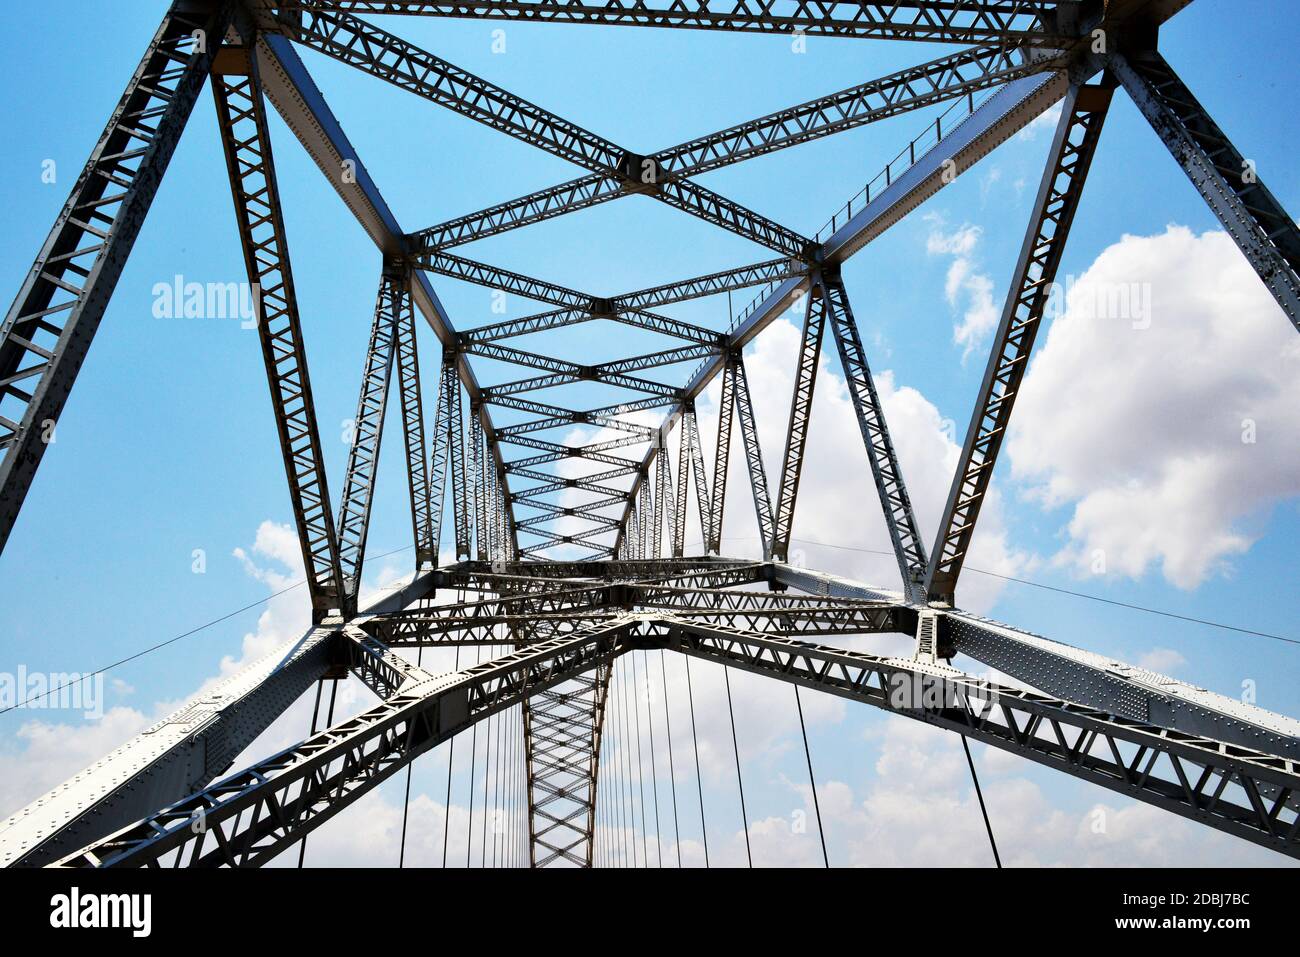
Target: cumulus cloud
{"points": [[1162, 660], [920, 809], [43, 754], [1163, 409], [966, 289]]}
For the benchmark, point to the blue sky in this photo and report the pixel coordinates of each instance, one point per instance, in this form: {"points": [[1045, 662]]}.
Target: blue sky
{"points": [[168, 445]]}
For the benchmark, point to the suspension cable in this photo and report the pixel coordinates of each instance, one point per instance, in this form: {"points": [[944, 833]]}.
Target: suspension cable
{"points": [[631, 788], [406, 802], [595, 796], [315, 713], [487, 774], [497, 794], [699, 781], [735, 747], [988, 827], [522, 787], [451, 757], [640, 768], [620, 751], [611, 729], [602, 835], [514, 784], [487, 767], [473, 763], [980, 794], [672, 770], [654, 771], [812, 781]]}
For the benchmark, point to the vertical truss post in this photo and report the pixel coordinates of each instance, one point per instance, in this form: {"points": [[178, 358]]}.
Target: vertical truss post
{"points": [[505, 540], [796, 437], [494, 519], [646, 516], [665, 519], [721, 456], [455, 444], [1082, 116], [692, 425], [753, 453], [367, 433], [419, 482], [479, 466], [509, 541], [670, 499], [1228, 182], [48, 329], [885, 470], [657, 514], [241, 113], [683, 481], [439, 459]]}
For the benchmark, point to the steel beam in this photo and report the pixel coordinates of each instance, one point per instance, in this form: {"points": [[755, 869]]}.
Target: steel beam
{"points": [[425, 527], [182, 753], [721, 457], [478, 476], [777, 547], [245, 139], [596, 309], [48, 330], [753, 453], [366, 47], [994, 121], [1118, 688], [885, 470], [724, 281], [367, 433], [946, 78], [300, 104], [453, 422], [458, 267], [1264, 231], [564, 732], [1043, 22], [681, 489], [702, 498], [1073, 147]]}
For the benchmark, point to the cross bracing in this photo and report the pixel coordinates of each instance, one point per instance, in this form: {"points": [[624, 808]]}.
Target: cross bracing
{"points": [[569, 523]]}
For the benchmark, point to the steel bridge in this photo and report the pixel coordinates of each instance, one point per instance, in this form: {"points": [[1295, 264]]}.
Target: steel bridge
{"points": [[570, 573]]}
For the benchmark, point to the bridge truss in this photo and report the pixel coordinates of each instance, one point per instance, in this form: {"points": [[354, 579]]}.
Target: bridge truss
{"points": [[570, 570]]}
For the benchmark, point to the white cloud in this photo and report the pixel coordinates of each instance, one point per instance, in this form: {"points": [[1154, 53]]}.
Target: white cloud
{"points": [[965, 288], [1043, 123], [920, 809], [43, 754], [1162, 660], [1163, 407]]}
